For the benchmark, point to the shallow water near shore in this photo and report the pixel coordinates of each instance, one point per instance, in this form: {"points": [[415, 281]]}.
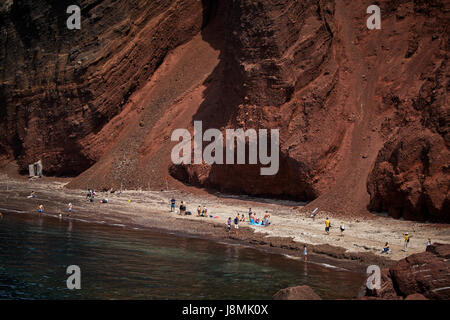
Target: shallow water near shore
{"points": [[124, 263]]}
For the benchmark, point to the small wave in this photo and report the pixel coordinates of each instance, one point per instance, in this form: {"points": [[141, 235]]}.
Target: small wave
{"points": [[12, 210], [241, 245], [117, 225], [326, 265], [292, 257]]}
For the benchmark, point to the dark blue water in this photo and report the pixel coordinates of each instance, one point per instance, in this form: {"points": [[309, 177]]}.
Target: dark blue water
{"points": [[122, 263]]}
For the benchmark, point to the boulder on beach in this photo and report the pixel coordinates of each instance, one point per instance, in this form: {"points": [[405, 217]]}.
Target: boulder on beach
{"points": [[296, 293], [418, 276], [415, 296]]}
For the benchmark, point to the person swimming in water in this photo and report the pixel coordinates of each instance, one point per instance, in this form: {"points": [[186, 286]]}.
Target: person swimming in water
{"points": [[40, 209], [69, 209]]}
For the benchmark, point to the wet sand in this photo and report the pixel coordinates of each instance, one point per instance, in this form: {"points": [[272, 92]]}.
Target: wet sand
{"points": [[359, 247]]}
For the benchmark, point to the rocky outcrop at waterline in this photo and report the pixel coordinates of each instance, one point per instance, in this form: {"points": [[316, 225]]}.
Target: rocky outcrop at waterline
{"points": [[363, 114], [296, 293], [419, 276]]}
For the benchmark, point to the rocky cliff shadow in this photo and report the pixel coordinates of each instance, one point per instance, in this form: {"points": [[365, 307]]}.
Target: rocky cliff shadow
{"points": [[226, 98]]}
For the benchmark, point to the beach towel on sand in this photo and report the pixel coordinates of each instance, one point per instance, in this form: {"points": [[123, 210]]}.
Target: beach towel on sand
{"points": [[253, 223]]}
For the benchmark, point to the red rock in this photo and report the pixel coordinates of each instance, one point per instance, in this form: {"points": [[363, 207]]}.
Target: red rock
{"points": [[415, 296], [296, 293], [426, 274]]}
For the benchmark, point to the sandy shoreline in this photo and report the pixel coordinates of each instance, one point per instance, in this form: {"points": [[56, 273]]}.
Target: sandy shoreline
{"points": [[358, 248]]}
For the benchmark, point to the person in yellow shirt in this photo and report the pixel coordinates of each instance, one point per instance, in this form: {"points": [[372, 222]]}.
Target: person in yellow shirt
{"points": [[327, 226], [406, 242]]}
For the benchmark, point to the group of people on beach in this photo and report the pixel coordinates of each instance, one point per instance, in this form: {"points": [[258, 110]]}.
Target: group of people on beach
{"points": [[40, 209], [254, 220], [236, 221], [202, 211], [89, 196], [328, 226], [386, 248]]}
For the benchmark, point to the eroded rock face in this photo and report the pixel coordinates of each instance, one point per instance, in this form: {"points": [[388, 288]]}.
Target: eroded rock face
{"points": [[296, 293], [60, 87], [362, 114], [425, 273], [421, 275], [410, 177]]}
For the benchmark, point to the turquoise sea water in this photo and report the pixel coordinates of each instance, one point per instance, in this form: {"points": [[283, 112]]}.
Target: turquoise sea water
{"points": [[124, 263]]}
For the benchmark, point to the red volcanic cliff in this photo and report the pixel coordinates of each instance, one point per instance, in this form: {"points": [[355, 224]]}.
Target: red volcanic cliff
{"points": [[363, 114]]}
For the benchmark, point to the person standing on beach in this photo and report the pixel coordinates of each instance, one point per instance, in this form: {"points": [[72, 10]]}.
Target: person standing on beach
{"points": [[250, 213], [182, 208], [172, 204], [229, 224], [428, 243], [406, 242], [204, 212], [327, 226], [305, 252], [236, 224], [40, 209], [342, 227]]}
